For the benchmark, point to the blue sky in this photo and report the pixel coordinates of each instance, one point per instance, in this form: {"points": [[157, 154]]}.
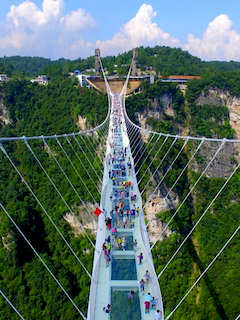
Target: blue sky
{"points": [[72, 29]]}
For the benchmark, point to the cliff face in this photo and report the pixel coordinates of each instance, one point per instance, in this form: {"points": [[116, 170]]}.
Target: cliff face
{"points": [[3, 113], [160, 106], [220, 167], [223, 98], [155, 205]]}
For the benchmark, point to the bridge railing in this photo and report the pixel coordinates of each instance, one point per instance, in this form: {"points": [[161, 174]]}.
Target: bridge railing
{"points": [[96, 268]]}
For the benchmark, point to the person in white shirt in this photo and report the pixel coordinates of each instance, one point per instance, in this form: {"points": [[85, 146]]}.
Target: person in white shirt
{"points": [[158, 315]]}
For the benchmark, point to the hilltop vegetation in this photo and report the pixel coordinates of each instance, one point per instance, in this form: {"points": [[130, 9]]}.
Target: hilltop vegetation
{"points": [[36, 110], [162, 60]]}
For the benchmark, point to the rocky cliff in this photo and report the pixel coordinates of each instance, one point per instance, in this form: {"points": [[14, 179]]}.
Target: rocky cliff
{"points": [[160, 106], [223, 98], [221, 166], [4, 118]]}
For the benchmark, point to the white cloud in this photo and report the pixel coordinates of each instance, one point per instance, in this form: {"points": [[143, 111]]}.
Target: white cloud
{"points": [[77, 21], [27, 12], [49, 32], [30, 30], [219, 42], [139, 31]]}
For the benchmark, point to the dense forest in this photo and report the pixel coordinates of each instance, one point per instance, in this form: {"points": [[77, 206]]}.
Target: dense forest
{"points": [[55, 109], [35, 110], [214, 296], [162, 60]]}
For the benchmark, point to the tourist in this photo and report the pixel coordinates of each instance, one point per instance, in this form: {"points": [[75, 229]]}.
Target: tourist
{"points": [[124, 244], [108, 247], [135, 245], [147, 299], [147, 305], [153, 302], [132, 213], [147, 276], [114, 231], [124, 222], [141, 285], [158, 315], [140, 257], [120, 243], [107, 309], [108, 259], [130, 296]]}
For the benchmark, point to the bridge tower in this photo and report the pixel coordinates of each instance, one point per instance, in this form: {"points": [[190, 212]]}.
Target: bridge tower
{"points": [[134, 66], [97, 62]]}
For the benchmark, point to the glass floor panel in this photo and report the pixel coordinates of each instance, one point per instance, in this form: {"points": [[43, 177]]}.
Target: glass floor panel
{"points": [[124, 268], [128, 241], [122, 308]]}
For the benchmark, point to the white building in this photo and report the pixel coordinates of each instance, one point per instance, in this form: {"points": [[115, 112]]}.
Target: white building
{"points": [[3, 78], [41, 80]]}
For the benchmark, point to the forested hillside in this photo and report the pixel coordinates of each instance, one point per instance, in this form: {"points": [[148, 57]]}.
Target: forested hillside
{"points": [[162, 60], [36, 110], [164, 109], [54, 109]]}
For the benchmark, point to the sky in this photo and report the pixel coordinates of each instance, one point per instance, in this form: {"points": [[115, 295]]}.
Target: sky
{"points": [[71, 29]]}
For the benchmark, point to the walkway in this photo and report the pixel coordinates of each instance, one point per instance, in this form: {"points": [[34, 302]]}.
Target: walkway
{"points": [[121, 203]]}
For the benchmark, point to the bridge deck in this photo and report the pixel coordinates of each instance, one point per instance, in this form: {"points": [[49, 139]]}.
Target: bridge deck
{"points": [[111, 284]]}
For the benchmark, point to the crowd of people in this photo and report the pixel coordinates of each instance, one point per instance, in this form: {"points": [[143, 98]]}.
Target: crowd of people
{"points": [[124, 209]]}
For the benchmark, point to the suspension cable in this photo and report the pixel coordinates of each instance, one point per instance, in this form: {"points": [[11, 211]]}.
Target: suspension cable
{"points": [[148, 167], [66, 176], [91, 154], [10, 303], [42, 261], [179, 176], [89, 175], [206, 269], [153, 148], [190, 191], [169, 168], [138, 147], [79, 176], [93, 150], [194, 227], [57, 190], [80, 147], [145, 148], [43, 208], [165, 155]]}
